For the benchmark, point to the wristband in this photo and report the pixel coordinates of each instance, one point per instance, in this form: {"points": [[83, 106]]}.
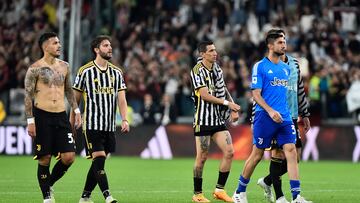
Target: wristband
{"points": [[226, 103], [31, 120], [125, 121], [77, 110]]}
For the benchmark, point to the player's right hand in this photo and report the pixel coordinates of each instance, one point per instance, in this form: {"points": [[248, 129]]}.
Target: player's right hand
{"points": [[31, 130], [234, 107], [276, 116]]}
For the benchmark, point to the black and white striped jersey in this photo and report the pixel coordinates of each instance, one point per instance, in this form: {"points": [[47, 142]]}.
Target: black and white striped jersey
{"points": [[206, 113], [100, 90]]}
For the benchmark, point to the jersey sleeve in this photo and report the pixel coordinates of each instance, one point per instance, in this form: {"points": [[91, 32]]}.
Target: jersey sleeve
{"points": [[303, 104], [197, 79], [79, 81], [121, 83], [256, 77]]}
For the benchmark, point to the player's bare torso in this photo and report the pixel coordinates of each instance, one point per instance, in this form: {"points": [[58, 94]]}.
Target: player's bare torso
{"points": [[49, 87]]}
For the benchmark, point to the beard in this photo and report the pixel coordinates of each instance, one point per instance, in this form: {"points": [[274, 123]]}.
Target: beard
{"points": [[279, 53], [105, 56]]}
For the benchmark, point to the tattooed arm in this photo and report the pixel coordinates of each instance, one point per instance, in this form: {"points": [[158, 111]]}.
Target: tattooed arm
{"points": [[30, 84], [69, 93]]}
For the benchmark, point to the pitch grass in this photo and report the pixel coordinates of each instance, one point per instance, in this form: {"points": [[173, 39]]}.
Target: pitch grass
{"points": [[133, 180]]}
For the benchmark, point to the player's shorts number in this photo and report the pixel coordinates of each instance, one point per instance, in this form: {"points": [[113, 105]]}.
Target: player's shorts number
{"points": [[293, 129], [71, 138]]}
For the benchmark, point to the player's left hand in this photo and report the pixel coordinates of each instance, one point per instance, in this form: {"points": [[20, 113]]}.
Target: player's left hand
{"points": [[307, 125], [234, 116], [125, 126]]}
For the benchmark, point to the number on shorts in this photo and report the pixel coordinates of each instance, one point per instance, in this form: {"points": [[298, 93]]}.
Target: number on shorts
{"points": [[293, 129], [71, 139]]}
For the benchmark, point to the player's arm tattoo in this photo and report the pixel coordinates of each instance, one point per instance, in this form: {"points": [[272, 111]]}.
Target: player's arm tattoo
{"points": [[30, 84], [228, 138], [69, 91]]}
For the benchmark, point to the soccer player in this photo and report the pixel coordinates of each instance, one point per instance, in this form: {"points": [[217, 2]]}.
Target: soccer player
{"points": [[211, 96], [103, 87], [297, 103], [47, 83], [272, 118]]}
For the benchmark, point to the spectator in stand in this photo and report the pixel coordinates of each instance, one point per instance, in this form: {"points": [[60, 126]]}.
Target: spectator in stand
{"points": [[323, 33], [148, 110]]}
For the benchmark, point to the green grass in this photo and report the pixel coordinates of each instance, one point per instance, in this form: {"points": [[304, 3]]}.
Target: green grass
{"points": [[136, 180]]}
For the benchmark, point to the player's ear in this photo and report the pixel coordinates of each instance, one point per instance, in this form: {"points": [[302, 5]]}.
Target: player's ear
{"points": [[96, 50], [45, 45]]}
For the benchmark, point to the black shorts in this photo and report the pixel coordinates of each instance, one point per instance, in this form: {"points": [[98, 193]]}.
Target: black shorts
{"points": [[96, 140], [298, 143], [209, 130], [53, 134]]}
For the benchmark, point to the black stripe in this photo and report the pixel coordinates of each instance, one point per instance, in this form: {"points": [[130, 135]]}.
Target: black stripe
{"points": [[101, 105], [208, 113]]}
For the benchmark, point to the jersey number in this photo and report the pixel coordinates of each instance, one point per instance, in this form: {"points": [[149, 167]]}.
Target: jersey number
{"points": [[293, 129], [71, 139]]}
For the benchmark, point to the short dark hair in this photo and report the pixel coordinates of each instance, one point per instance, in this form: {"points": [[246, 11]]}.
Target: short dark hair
{"points": [[95, 43], [272, 35], [276, 31], [202, 46], [44, 37]]}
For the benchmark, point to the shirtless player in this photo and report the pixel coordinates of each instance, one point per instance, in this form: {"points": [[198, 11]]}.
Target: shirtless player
{"points": [[47, 83]]}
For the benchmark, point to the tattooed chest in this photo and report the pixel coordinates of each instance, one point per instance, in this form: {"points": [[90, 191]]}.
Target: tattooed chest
{"points": [[51, 77]]}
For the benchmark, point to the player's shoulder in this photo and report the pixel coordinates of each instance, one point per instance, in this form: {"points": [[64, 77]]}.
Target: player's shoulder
{"points": [[284, 65], [291, 59], [294, 63], [197, 67], [62, 63], [86, 67], [116, 68], [37, 65], [34, 65], [260, 64]]}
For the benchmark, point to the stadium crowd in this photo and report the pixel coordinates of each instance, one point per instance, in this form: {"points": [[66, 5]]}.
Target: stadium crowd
{"points": [[155, 42]]}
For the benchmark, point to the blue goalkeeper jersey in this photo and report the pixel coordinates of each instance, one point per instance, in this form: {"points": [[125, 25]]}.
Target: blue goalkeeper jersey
{"points": [[272, 79], [292, 92]]}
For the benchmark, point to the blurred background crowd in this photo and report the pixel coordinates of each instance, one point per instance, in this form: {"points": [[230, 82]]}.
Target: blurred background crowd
{"points": [[154, 41]]}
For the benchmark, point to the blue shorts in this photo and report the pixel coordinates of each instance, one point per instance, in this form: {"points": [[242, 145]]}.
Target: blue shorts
{"points": [[265, 129]]}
